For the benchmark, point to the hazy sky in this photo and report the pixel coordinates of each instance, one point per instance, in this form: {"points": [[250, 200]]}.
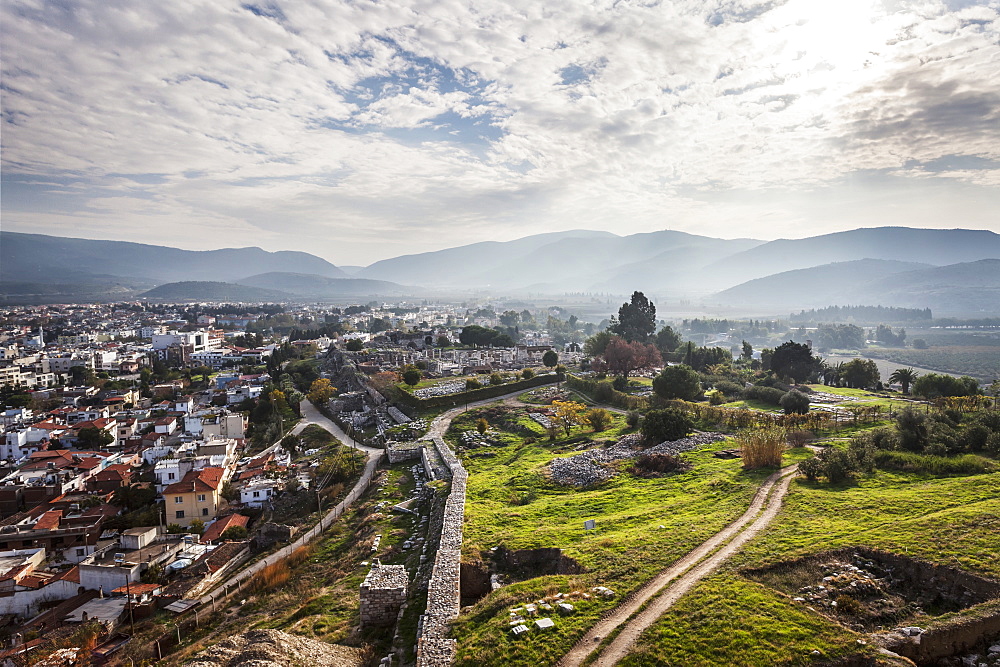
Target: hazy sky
{"points": [[362, 130]]}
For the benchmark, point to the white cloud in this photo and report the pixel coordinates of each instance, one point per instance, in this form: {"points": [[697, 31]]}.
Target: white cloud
{"points": [[350, 122]]}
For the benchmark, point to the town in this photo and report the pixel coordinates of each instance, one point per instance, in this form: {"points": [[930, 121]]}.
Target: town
{"points": [[164, 462]]}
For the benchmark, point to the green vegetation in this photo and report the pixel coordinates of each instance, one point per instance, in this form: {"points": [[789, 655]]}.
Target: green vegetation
{"points": [[979, 361]]}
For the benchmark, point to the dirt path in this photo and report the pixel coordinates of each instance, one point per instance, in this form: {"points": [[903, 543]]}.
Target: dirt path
{"points": [[687, 571]]}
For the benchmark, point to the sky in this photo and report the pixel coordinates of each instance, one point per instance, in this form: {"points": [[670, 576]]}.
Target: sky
{"points": [[360, 130]]}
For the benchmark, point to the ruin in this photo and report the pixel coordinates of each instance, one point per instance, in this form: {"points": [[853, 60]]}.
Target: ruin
{"points": [[383, 593]]}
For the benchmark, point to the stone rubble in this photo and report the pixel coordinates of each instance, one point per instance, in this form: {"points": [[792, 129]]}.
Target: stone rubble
{"points": [[589, 468], [441, 389]]}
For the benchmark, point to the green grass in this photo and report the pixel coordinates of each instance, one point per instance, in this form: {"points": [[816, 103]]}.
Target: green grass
{"points": [[727, 620], [643, 526]]}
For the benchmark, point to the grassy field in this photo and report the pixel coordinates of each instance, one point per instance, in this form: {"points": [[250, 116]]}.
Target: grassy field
{"points": [[645, 524], [982, 362], [642, 526]]}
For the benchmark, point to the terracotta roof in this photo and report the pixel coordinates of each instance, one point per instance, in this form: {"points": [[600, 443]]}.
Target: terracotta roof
{"points": [[138, 589], [72, 574], [49, 520], [206, 479], [220, 526]]}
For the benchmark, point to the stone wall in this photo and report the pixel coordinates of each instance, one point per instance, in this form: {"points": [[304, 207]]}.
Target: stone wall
{"points": [[404, 451], [382, 594], [434, 648]]}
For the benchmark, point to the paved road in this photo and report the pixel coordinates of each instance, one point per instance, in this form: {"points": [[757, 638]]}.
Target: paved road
{"points": [[310, 415]]}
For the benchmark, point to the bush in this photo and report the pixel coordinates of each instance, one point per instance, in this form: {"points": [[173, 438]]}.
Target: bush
{"points": [[799, 438], [655, 465], [496, 379], [812, 468], [677, 382], [632, 419], [527, 374], [716, 398], [411, 376], [761, 447], [768, 395], [482, 425], [969, 464], [667, 424], [620, 383], [472, 383], [604, 393], [598, 418], [729, 389], [795, 403], [235, 533]]}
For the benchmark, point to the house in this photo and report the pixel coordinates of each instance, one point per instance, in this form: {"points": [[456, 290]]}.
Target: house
{"points": [[110, 479], [257, 492], [214, 532], [196, 496]]}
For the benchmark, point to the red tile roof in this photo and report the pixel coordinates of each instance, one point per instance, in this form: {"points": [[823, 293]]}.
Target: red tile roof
{"points": [[206, 479], [49, 520], [220, 526]]}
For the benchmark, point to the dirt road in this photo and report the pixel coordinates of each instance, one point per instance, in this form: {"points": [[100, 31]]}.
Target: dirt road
{"points": [[687, 571]]}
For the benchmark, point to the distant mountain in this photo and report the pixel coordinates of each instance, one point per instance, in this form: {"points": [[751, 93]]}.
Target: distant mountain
{"points": [[961, 289], [577, 260], [306, 284], [838, 283], [939, 247], [51, 259], [207, 290], [350, 269], [19, 292], [468, 265]]}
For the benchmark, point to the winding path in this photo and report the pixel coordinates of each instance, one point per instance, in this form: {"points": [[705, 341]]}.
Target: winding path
{"points": [[310, 415], [687, 571]]}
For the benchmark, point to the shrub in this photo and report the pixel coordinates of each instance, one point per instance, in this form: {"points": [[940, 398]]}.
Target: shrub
{"points": [[768, 395], [598, 418], [235, 533], [411, 376], [795, 403], [655, 465], [799, 438], [667, 424], [604, 392], [496, 379], [912, 428], [527, 374], [482, 425], [969, 464], [677, 382], [848, 605], [632, 419], [620, 383], [761, 447], [716, 398], [472, 383], [729, 389], [812, 468]]}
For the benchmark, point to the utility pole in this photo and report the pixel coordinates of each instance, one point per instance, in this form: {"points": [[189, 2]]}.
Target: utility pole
{"points": [[128, 596]]}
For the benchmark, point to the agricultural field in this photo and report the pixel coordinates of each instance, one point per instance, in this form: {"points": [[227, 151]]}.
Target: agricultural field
{"points": [[981, 362]]}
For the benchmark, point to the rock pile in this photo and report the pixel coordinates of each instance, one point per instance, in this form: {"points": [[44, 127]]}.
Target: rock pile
{"points": [[860, 578], [441, 389], [591, 467], [273, 648]]}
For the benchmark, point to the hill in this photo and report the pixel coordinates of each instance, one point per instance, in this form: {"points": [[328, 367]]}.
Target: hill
{"points": [[956, 290], [51, 259], [207, 290], [307, 284], [939, 247]]}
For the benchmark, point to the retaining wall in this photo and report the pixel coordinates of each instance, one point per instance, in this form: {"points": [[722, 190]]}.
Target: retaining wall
{"points": [[434, 648]]}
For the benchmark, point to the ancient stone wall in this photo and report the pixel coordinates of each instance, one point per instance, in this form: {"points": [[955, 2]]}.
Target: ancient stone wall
{"points": [[434, 648], [382, 594], [404, 451]]}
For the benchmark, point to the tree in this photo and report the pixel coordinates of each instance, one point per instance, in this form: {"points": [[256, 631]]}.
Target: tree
{"points": [[496, 379], [197, 527], [935, 385], [747, 353], [667, 424], [623, 357], [321, 391], [550, 358], [794, 360], [597, 344], [920, 344], [567, 414], [598, 418], [91, 437], [443, 341], [133, 497], [354, 345], [481, 336], [677, 382], [860, 374], [904, 377], [235, 533], [411, 376], [667, 340], [795, 402], [636, 319]]}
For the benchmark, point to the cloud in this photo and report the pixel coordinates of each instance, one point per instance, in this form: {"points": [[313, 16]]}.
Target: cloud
{"points": [[421, 123]]}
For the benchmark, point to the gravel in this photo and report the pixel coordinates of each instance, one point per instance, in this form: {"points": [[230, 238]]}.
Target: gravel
{"points": [[590, 467], [273, 648]]}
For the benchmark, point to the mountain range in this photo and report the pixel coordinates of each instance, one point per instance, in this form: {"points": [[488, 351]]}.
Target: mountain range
{"points": [[953, 271]]}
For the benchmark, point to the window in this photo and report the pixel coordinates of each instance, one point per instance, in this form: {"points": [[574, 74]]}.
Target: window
{"points": [[179, 514], [204, 511], [178, 499], [81, 552], [201, 497], [170, 475], [256, 494]]}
